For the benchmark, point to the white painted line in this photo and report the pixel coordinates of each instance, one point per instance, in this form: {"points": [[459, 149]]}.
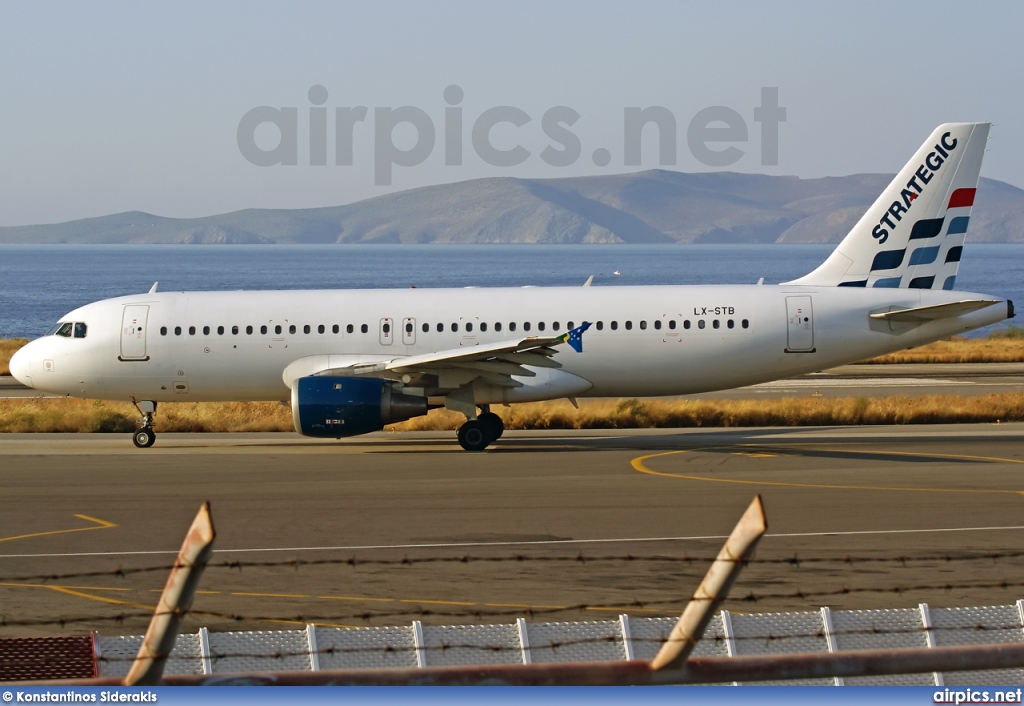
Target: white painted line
{"points": [[538, 543]]}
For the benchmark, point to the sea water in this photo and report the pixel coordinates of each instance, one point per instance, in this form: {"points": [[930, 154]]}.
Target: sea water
{"points": [[40, 283]]}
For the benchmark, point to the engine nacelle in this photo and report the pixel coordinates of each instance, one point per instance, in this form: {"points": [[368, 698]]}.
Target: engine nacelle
{"points": [[333, 407]]}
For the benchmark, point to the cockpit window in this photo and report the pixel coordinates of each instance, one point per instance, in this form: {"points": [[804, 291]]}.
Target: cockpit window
{"points": [[67, 329]]}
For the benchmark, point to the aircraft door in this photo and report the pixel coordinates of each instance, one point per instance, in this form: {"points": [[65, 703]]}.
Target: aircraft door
{"points": [[801, 325], [133, 332], [409, 331], [387, 331]]}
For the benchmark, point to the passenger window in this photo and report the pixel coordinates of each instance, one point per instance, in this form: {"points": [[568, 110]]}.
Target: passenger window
{"points": [[306, 329], [686, 324], [206, 330], [701, 323], [177, 330], [440, 328], [615, 326], [364, 328], [408, 328], [600, 326], [386, 328], [569, 325], [497, 325], [540, 326], [248, 330], [163, 331], [672, 324], [321, 329], [263, 330], [220, 330], [277, 329], [554, 326], [291, 329], [80, 330], [483, 327], [526, 325], [469, 328], [511, 325], [234, 330], [657, 324], [191, 330], [349, 329], [455, 327], [730, 323], [714, 324], [629, 325], [643, 325], [745, 323], [335, 328]]}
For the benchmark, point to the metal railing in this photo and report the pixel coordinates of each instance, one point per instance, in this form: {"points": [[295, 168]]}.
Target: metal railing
{"points": [[626, 638]]}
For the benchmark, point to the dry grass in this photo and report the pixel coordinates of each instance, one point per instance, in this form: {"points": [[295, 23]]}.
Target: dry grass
{"points": [[7, 348], [75, 415], [1005, 346], [67, 414], [788, 411]]}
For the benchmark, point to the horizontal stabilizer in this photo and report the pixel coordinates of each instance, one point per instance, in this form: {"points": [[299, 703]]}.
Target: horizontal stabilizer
{"points": [[937, 311]]}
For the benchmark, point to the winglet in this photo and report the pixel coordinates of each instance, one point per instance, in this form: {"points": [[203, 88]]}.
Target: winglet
{"points": [[575, 337], [152, 290]]}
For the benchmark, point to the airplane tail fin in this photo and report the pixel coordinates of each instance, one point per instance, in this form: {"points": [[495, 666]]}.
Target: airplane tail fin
{"points": [[913, 235]]}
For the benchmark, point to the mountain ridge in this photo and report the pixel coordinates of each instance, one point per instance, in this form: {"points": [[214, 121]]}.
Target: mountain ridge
{"points": [[652, 206]]}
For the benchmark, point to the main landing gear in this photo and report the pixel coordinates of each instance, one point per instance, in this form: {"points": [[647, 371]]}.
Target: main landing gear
{"points": [[477, 434], [144, 436]]}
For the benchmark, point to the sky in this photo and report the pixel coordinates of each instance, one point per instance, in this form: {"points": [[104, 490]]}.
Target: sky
{"points": [[189, 109]]}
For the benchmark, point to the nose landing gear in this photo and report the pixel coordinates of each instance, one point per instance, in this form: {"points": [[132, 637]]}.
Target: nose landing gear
{"points": [[144, 436]]}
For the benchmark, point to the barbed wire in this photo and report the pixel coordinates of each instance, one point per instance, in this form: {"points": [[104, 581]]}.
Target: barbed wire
{"points": [[580, 559], [672, 605]]}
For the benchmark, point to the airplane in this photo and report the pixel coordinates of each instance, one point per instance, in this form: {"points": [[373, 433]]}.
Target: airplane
{"points": [[350, 362]]}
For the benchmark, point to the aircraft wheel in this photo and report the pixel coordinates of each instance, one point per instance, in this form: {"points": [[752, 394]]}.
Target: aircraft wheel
{"points": [[144, 438], [473, 436], [493, 424]]}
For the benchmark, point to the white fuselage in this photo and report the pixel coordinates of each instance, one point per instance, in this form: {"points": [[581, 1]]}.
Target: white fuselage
{"points": [[644, 341]]}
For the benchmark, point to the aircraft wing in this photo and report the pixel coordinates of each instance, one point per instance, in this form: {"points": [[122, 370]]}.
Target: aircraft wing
{"points": [[496, 362]]}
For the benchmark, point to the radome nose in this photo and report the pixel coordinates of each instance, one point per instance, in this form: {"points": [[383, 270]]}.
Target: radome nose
{"points": [[21, 367]]}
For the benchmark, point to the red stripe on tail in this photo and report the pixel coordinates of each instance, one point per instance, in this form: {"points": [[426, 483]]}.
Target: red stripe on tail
{"points": [[961, 198]]}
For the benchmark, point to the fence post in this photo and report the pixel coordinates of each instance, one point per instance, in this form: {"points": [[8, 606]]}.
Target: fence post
{"points": [[314, 651], [830, 637], [627, 637], [524, 640], [418, 642], [180, 589], [730, 636], [713, 588], [97, 653], [204, 650], [929, 637]]}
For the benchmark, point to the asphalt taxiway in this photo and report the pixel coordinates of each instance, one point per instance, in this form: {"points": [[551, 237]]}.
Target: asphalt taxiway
{"points": [[388, 528]]}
